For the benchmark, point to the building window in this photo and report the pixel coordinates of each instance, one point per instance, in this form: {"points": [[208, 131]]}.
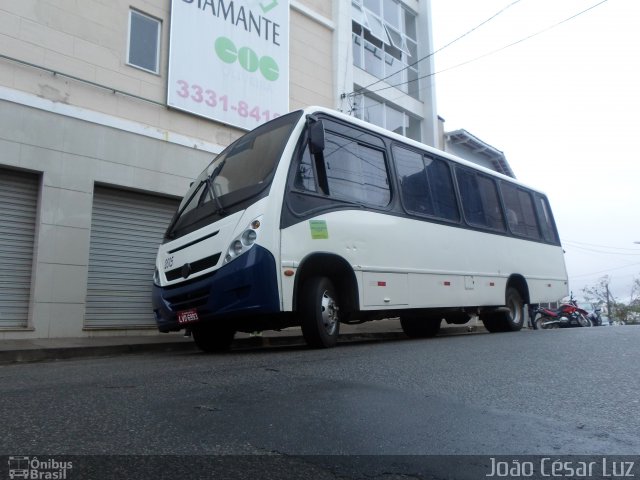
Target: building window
{"points": [[386, 116], [385, 42], [144, 42]]}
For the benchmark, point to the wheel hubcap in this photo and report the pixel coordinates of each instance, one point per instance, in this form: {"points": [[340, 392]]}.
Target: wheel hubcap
{"points": [[516, 312], [329, 309]]}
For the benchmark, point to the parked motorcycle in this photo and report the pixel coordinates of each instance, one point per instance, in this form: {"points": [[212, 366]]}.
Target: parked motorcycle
{"points": [[596, 319], [568, 315]]}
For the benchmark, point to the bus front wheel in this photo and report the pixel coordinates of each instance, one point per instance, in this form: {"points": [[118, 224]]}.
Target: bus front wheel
{"points": [[319, 313]]}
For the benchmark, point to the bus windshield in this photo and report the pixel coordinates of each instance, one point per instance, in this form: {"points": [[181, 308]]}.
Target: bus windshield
{"points": [[240, 173]]}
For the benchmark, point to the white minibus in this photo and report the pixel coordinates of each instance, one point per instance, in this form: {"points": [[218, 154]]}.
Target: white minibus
{"points": [[317, 219]]}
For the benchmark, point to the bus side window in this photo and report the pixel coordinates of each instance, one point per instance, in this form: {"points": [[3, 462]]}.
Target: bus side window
{"points": [[470, 196], [356, 172], [305, 178], [416, 195], [426, 184], [545, 219], [480, 202], [443, 194], [520, 211]]}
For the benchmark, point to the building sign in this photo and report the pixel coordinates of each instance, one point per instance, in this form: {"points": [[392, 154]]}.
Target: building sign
{"points": [[229, 60]]}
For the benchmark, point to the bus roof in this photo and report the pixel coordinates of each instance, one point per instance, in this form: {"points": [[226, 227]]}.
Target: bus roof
{"points": [[402, 139]]}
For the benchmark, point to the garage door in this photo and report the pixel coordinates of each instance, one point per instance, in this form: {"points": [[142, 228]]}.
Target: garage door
{"points": [[18, 206], [126, 230]]}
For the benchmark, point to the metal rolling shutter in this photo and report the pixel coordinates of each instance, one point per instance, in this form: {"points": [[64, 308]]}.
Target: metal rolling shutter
{"points": [[126, 230], [18, 208]]}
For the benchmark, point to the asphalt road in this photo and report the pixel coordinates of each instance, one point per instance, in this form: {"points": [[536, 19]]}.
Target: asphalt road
{"points": [[556, 392]]}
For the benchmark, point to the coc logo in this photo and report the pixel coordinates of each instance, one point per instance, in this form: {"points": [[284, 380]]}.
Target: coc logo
{"points": [[247, 58]]}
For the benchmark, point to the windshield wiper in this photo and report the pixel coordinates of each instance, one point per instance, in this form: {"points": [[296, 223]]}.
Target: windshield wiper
{"points": [[216, 171], [209, 181], [212, 190], [176, 217]]}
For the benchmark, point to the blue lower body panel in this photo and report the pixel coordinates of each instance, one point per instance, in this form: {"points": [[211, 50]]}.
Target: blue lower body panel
{"points": [[245, 287]]}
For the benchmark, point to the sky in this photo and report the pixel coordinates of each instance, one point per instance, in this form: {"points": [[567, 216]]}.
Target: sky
{"points": [[563, 106]]}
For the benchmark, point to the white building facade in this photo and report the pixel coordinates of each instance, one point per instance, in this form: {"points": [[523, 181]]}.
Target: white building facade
{"points": [[105, 120]]}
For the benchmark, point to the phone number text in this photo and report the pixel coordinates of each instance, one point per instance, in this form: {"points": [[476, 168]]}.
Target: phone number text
{"points": [[213, 99]]}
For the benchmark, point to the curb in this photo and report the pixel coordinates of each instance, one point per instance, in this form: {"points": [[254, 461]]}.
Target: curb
{"points": [[34, 354], [64, 353]]}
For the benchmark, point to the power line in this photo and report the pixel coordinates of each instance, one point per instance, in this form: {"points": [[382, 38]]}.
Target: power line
{"points": [[491, 52], [355, 92], [594, 250], [637, 249], [604, 271]]}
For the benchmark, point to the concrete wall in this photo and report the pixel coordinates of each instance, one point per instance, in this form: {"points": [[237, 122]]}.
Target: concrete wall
{"points": [[110, 124], [88, 40], [71, 156], [75, 134], [311, 60]]}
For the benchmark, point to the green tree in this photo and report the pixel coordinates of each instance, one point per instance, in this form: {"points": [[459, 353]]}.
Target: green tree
{"points": [[600, 294], [631, 311]]}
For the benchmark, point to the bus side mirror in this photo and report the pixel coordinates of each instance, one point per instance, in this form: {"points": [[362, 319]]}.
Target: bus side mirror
{"points": [[316, 136], [316, 147]]}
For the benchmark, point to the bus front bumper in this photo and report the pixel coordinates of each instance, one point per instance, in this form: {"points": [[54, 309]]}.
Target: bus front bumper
{"points": [[244, 287]]}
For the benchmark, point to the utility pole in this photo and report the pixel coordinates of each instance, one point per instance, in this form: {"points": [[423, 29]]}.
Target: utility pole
{"points": [[609, 312]]}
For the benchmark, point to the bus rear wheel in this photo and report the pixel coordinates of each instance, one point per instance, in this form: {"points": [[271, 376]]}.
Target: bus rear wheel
{"points": [[319, 313], [420, 327], [506, 321], [213, 338]]}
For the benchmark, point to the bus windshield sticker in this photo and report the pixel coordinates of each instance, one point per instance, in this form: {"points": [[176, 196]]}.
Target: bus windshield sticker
{"points": [[319, 229]]}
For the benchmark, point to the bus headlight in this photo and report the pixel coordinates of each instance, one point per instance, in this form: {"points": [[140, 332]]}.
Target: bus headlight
{"points": [[244, 241], [249, 237], [236, 248], [156, 278]]}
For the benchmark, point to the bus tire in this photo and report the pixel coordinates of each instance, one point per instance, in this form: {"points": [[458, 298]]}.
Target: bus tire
{"points": [[416, 327], [213, 339], [493, 323], [319, 313], [510, 321]]}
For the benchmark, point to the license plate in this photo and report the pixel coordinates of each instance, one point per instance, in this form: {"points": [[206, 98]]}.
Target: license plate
{"points": [[187, 316]]}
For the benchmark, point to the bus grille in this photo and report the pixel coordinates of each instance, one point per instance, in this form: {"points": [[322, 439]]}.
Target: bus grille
{"points": [[194, 299], [191, 268]]}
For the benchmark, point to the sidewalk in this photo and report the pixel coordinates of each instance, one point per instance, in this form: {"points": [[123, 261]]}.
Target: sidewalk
{"points": [[34, 350]]}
